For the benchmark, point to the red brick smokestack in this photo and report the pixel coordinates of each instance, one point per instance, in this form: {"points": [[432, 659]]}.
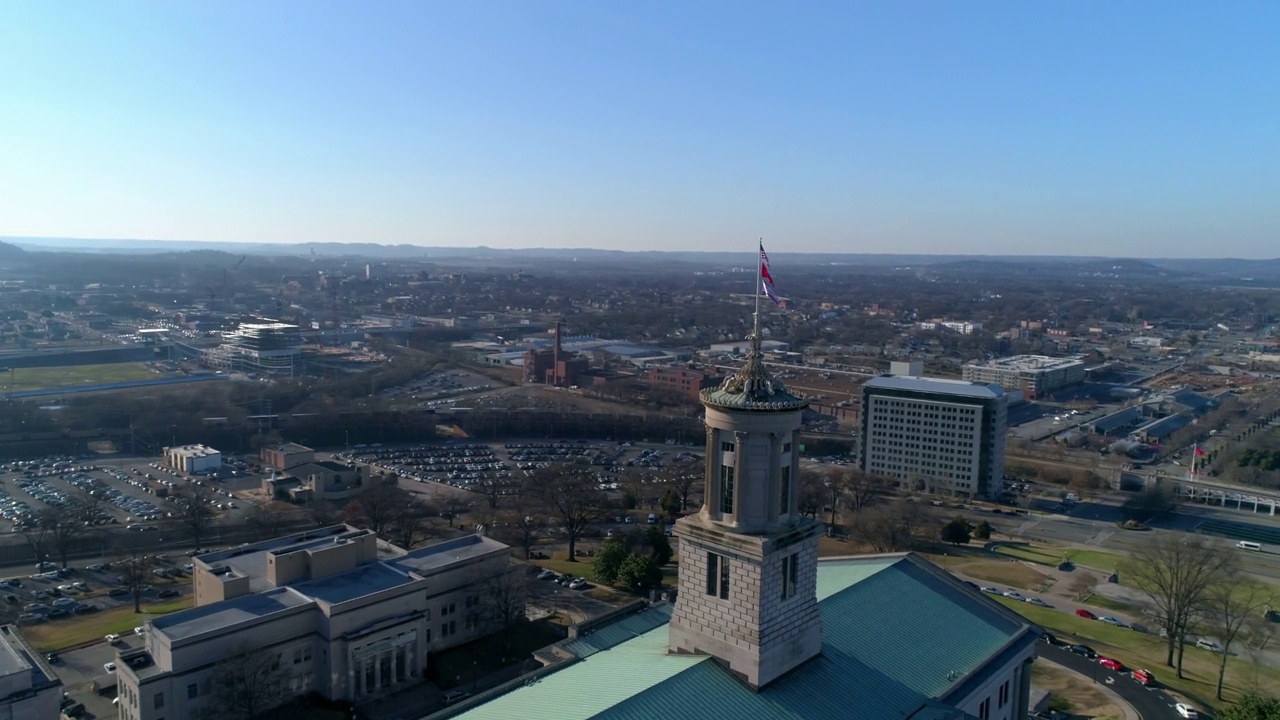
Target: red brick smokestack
{"points": [[555, 373]]}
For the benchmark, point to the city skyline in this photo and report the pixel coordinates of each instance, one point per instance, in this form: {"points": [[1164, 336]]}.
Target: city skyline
{"points": [[928, 128]]}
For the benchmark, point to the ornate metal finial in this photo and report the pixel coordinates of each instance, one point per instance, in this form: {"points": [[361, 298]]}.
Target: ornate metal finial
{"points": [[752, 387], [752, 378]]}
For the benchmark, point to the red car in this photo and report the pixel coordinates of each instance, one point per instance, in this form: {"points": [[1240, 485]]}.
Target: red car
{"points": [[1107, 662], [1144, 677], [1086, 614]]}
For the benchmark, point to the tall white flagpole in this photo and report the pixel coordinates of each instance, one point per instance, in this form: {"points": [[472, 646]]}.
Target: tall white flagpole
{"points": [[759, 287]]}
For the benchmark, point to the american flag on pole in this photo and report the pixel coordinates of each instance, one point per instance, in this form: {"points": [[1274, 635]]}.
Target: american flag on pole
{"points": [[766, 280]]}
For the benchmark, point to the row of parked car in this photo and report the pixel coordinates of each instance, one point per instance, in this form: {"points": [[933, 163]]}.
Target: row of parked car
{"points": [[565, 579], [136, 508], [1015, 595]]}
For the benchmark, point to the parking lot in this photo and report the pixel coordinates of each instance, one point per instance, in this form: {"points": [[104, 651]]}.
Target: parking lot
{"points": [[480, 466], [135, 492]]}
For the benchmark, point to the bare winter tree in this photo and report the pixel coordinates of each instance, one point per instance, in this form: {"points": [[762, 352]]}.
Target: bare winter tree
{"points": [[522, 526], [569, 495], [1176, 571], [813, 492], [69, 523], [453, 506], [684, 478], [267, 520], [39, 537], [322, 513], [859, 489], [1231, 605], [377, 507], [494, 489], [195, 514], [413, 522], [245, 685], [888, 528], [134, 565], [503, 597]]}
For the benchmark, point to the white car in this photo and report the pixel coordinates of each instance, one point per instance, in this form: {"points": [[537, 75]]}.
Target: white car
{"points": [[1186, 711], [989, 589], [112, 638], [546, 574], [1112, 621], [578, 584], [1014, 595], [1208, 645], [1038, 602], [109, 667]]}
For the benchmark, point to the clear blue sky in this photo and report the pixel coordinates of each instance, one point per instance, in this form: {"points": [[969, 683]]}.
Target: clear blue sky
{"points": [[1072, 127]]}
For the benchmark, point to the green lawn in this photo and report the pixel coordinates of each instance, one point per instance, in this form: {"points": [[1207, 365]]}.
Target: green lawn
{"points": [[1049, 555], [1004, 573], [60, 634], [583, 567], [48, 378], [1142, 650]]}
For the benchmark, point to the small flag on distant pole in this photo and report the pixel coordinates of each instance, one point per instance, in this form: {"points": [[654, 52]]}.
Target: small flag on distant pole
{"points": [[766, 280]]}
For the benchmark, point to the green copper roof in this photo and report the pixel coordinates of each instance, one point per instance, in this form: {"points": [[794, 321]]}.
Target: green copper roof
{"points": [[593, 685], [898, 635], [752, 388]]}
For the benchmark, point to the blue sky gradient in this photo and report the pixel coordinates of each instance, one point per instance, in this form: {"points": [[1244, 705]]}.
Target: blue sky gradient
{"points": [[1136, 128]]}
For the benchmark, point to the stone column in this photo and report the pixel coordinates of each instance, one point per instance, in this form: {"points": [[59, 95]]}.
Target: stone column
{"points": [[739, 471], [377, 671], [710, 482], [773, 488], [1024, 690]]}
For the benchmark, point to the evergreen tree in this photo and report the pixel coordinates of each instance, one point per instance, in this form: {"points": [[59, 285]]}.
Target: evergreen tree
{"points": [[639, 573], [956, 532], [609, 561]]}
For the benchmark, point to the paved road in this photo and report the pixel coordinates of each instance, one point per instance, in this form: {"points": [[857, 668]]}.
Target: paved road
{"points": [[1151, 703]]}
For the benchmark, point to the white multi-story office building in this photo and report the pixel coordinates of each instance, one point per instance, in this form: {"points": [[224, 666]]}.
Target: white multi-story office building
{"points": [[334, 611], [934, 435], [1034, 375]]}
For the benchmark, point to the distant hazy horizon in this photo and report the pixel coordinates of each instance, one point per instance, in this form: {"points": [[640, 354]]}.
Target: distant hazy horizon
{"points": [[747, 249], [925, 127]]}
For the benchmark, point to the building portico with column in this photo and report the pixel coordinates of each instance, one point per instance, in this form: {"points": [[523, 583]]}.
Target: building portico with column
{"points": [[334, 611]]}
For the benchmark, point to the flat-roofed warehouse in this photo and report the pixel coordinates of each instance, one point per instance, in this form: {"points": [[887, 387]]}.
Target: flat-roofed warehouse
{"points": [[1034, 375]]}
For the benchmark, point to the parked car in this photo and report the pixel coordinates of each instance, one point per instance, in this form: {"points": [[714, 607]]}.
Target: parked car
{"points": [[1084, 650], [991, 590], [1111, 663], [170, 593], [1014, 595], [1113, 621], [109, 667], [578, 584], [53, 659], [1186, 711], [118, 592], [112, 639], [1208, 645], [1144, 677], [546, 574], [1086, 614], [1039, 603]]}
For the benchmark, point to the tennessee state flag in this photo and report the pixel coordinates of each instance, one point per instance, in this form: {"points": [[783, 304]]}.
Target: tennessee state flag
{"points": [[766, 279]]}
